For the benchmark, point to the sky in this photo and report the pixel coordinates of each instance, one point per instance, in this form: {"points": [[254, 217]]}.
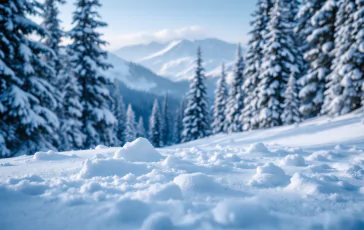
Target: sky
{"points": [[144, 21]]}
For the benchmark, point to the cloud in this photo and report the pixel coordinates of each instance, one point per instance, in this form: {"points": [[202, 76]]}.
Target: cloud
{"points": [[165, 35]]}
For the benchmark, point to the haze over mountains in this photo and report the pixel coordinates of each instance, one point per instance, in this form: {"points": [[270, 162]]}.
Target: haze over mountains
{"points": [[175, 60]]}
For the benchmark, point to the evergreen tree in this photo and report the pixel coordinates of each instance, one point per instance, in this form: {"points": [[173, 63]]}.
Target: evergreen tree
{"points": [[221, 95], [342, 93], [253, 61], [178, 124], [165, 130], [358, 47], [119, 112], [291, 113], [27, 97], [155, 136], [140, 128], [303, 27], [319, 55], [278, 64], [196, 121], [70, 113], [52, 24], [89, 61], [235, 101], [130, 126]]}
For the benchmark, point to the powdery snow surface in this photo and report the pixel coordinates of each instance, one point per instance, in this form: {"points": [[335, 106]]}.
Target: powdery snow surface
{"points": [[309, 176]]}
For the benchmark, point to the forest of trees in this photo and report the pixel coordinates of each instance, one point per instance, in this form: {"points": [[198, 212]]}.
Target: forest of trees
{"points": [[303, 60]]}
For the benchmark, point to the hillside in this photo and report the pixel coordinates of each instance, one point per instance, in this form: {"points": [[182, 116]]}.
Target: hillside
{"points": [[308, 176]]}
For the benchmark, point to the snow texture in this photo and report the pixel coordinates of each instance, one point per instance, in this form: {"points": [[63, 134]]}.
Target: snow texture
{"points": [[305, 177]]}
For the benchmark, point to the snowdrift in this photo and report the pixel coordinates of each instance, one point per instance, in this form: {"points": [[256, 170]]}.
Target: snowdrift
{"points": [[309, 176]]}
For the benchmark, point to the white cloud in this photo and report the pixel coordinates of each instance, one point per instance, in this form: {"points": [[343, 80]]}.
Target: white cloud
{"points": [[165, 35]]}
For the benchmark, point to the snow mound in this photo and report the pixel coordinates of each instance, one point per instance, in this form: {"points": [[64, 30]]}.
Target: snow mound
{"points": [[355, 171], [168, 191], [324, 155], [140, 150], [110, 167], [99, 147], [293, 160], [257, 148], [158, 221], [173, 161], [130, 211], [243, 214], [199, 183], [50, 156], [269, 175], [311, 186]]}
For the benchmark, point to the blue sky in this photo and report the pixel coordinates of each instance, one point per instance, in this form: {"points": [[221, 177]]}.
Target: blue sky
{"points": [[143, 21]]}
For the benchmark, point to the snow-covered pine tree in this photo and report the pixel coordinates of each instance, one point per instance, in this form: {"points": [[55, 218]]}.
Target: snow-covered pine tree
{"points": [[89, 61], [358, 46], [221, 95], [196, 121], [178, 125], [319, 55], [130, 125], [26, 95], [253, 59], [342, 94], [165, 122], [303, 27], [155, 136], [278, 63], [70, 131], [291, 113], [120, 115], [52, 24], [235, 101], [140, 128]]}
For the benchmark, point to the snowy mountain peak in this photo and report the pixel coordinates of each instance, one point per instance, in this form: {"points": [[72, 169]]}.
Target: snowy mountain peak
{"points": [[175, 60]]}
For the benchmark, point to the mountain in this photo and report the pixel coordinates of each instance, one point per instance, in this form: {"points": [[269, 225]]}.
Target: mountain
{"points": [[175, 60], [138, 78]]}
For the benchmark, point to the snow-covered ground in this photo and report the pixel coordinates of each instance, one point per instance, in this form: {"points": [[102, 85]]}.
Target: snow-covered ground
{"points": [[308, 176]]}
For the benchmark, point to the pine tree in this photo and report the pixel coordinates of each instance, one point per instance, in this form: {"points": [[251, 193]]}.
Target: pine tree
{"points": [[291, 113], [221, 96], [89, 61], [119, 112], [235, 101], [278, 64], [130, 126], [155, 136], [178, 124], [196, 121], [52, 24], [303, 27], [358, 47], [27, 101], [140, 128], [70, 131], [253, 61], [165, 130], [319, 55], [342, 93]]}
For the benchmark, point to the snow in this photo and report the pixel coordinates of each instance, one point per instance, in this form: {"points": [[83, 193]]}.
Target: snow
{"points": [[139, 150], [309, 176]]}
